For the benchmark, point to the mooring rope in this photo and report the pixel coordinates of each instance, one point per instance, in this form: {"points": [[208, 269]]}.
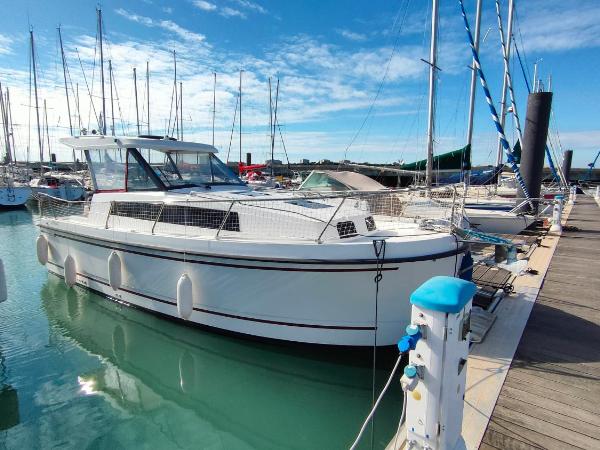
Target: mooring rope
{"points": [[379, 248], [510, 159]]}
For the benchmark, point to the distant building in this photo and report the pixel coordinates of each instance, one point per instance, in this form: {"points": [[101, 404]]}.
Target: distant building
{"points": [[304, 161], [325, 161], [273, 161]]}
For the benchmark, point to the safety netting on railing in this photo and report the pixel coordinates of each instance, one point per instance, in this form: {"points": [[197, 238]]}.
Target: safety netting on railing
{"points": [[276, 216]]}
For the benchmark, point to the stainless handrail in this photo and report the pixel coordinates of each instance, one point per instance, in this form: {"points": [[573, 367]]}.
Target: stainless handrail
{"points": [[160, 211], [225, 217], [330, 220]]}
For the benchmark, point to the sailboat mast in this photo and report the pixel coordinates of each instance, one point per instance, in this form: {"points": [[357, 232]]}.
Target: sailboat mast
{"points": [[5, 126], [181, 109], [271, 122], [35, 90], [148, 93], [175, 93], [64, 66], [12, 133], [78, 110], [274, 128], [99, 10], [137, 110], [474, 75], [112, 103], [214, 106], [432, 86], [509, 27], [47, 131], [240, 96]]}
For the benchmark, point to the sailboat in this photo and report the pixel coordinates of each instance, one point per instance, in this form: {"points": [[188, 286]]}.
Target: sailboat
{"points": [[13, 193], [50, 184]]}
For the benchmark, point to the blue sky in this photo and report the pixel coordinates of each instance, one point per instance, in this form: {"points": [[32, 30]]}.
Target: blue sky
{"points": [[352, 81]]}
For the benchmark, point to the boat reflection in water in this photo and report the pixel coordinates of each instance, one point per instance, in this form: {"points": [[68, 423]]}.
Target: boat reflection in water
{"points": [[200, 389]]}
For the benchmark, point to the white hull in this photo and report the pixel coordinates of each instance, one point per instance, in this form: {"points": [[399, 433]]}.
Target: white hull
{"points": [[326, 299], [69, 193], [14, 196], [500, 222]]}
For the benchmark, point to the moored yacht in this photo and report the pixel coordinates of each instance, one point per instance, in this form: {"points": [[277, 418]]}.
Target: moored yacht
{"points": [[171, 229]]}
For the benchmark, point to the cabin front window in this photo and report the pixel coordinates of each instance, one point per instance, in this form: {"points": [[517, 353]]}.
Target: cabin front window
{"points": [[107, 168], [138, 178]]}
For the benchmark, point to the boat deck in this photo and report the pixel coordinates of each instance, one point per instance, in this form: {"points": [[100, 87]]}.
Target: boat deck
{"points": [[551, 393]]}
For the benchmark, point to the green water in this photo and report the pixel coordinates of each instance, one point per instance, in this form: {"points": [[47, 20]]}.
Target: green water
{"points": [[79, 371]]}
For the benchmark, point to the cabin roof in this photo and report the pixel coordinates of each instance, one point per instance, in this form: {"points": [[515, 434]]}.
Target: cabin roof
{"points": [[115, 142]]}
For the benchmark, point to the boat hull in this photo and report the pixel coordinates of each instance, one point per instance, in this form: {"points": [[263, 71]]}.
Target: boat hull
{"points": [[329, 302], [499, 222], [13, 197], [69, 193]]}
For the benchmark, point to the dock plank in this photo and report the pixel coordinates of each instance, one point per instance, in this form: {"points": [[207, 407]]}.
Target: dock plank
{"points": [[551, 393]]}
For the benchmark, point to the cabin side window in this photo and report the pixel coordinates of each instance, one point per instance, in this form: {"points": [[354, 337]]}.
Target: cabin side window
{"points": [[107, 168]]}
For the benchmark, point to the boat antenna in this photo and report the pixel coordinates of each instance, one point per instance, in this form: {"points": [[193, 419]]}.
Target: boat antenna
{"points": [[112, 103], [137, 111], [99, 11], [148, 93], [432, 85], [237, 101], [37, 109]]}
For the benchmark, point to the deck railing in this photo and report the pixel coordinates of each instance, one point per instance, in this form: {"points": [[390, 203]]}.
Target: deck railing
{"points": [[309, 216]]}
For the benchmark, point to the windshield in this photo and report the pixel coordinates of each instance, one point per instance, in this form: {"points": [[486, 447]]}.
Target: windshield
{"points": [[177, 169]]}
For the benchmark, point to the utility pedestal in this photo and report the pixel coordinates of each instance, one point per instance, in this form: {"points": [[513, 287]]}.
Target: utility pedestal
{"points": [[434, 410]]}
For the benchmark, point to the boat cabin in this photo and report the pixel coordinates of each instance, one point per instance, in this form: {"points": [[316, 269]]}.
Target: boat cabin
{"points": [[125, 164]]}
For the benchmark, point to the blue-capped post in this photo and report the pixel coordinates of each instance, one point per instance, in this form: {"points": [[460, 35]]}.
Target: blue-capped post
{"points": [[441, 309]]}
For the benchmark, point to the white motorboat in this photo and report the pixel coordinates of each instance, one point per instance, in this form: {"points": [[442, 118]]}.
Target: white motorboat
{"points": [[12, 193], [58, 185], [171, 229], [495, 221]]}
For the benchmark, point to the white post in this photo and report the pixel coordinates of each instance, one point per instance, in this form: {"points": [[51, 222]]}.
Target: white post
{"points": [[572, 195], [434, 410], [597, 193], [556, 226]]}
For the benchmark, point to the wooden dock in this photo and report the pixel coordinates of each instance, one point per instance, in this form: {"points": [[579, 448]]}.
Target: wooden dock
{"points": [[551, 395]]}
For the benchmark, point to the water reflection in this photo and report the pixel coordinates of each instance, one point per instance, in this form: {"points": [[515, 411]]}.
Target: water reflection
{"points": [[14, 217], [214, 390], [9, 400]]}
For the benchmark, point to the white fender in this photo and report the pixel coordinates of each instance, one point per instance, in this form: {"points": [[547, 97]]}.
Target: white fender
{"points": [[3, 290], [114, 271], [70, 271], [185, 298], [42, 249]]}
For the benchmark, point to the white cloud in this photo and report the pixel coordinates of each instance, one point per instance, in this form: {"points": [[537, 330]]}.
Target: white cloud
{"points": [[167, 25], [552, 26], [228, 11], [251, 6], [351, 35], [5, 44], [204, 5], [231, 12]]}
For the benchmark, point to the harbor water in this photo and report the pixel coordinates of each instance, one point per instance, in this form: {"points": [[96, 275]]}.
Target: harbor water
{"points": [[80, 371]]}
